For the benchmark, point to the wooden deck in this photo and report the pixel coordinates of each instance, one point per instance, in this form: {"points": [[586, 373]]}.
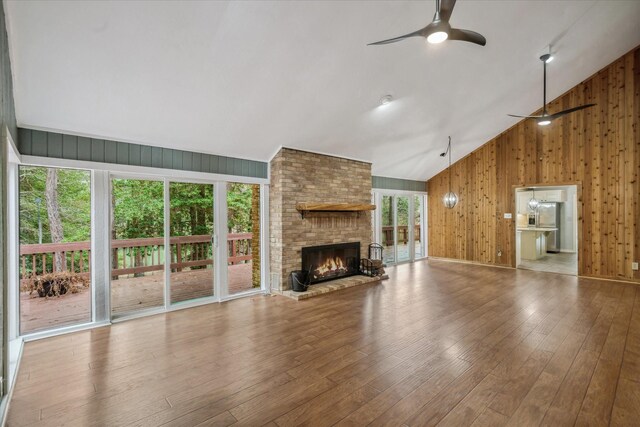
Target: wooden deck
{"points": [[127, 295], [438, 343]]}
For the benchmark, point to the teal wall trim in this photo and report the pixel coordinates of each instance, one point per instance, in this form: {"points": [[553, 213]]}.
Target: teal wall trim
{"points": [[71, 147], [384, 183]]}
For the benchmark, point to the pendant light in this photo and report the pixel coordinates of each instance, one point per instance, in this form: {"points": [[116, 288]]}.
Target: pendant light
{"points": [[450, 199], [533, 202]]}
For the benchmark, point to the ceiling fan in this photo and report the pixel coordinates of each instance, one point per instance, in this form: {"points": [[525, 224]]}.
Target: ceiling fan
{"points": [[439, 29], [545, 118]]}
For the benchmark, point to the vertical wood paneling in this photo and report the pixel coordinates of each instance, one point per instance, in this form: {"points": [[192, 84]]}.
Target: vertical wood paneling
{"points": [[598, 149]]}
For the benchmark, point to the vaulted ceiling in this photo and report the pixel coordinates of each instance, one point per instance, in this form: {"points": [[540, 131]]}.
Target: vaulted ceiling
{"points": [[244, 78]]}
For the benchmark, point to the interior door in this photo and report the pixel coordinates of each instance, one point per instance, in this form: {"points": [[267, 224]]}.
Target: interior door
{"points": [[191, 241]]}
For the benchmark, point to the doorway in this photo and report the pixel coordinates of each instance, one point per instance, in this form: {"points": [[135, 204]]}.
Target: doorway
{"points": [[547, 228]]}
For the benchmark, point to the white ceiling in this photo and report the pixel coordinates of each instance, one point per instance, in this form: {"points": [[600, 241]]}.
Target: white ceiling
{"points": [[244, 78]]}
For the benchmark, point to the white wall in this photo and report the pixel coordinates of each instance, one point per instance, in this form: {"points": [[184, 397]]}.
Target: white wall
{"points": [[568, 218]]}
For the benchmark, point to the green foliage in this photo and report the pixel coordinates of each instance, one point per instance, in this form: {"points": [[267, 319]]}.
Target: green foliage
{"points": [[138, 208], [403, 210], [74, 198], [239, 207], [191, 209]]}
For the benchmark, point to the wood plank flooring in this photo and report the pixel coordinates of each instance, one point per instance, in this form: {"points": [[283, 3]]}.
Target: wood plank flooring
{"points": [[438, 343]]}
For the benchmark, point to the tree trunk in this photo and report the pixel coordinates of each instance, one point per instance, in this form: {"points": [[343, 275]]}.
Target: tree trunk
{"points": [[255, 235], [53, 212]]}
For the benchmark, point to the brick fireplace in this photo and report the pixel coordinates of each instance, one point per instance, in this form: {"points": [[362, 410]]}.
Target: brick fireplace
{"points": [[302, 177]]}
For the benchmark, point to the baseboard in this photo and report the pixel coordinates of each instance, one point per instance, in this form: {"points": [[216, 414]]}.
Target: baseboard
{"points": [[607, 279], [627, 281], [464, 261]]}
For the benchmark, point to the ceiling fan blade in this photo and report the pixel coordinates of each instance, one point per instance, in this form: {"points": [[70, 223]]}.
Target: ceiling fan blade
{"points": [[525, 117], [570, 110], [467, 36], [446, 8], [397, 39]]}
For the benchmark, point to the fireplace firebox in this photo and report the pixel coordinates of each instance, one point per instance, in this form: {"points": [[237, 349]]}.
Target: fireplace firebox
{"points": [[330, 262]]}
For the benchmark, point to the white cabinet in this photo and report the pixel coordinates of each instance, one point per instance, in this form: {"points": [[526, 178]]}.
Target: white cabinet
{"points": [[551, 195], [533, 244], [523, 198]]}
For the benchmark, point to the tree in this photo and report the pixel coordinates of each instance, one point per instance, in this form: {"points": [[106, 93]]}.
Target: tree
{"points": [[53, 213]]}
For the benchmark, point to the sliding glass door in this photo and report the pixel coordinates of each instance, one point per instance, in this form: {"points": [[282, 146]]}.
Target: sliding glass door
{"points": [[418, 228], [191, 241], [243, 237], [55, 248], [400, 219], [402, 229], [388, 230], [158, 262], [137, 245], [93, 246]]}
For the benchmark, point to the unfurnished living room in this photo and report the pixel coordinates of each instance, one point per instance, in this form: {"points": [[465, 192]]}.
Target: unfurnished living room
{"points": [[350, 213]]}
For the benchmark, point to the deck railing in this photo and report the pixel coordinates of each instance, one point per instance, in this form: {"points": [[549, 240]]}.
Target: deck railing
{"points": [[403, 234], [133, 256]]}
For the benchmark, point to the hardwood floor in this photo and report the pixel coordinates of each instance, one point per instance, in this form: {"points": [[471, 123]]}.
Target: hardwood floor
{"points": [[438, 343]]}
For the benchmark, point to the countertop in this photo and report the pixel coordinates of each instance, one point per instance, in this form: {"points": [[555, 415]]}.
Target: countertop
{"points": [[535, 229]]}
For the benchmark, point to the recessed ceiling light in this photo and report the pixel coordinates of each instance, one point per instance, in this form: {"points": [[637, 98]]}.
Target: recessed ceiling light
{"points": [[386, 99]]}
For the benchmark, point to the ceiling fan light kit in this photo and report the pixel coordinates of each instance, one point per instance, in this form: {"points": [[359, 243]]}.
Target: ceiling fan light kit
{"points": [[439, 29], [437, 37]]}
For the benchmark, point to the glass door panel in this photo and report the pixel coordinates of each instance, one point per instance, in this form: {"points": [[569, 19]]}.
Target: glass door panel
{"points": [[388, 251], [417, 226], [402, 227], [137, 245], [55, 248], [243, 238], [191, 241]]}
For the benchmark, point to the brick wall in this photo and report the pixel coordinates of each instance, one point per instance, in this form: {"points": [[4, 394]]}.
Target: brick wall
{"points": [[300, 176]]}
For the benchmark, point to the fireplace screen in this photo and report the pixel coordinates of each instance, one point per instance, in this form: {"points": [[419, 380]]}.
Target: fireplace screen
{"points": [[331, 261]]}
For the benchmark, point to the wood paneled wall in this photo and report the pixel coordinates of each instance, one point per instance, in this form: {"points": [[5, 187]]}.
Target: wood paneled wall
{"points": [[598, 149]]}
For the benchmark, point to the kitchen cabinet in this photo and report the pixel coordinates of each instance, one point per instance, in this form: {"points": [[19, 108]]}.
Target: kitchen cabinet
{"points": [[551, 195], [523, 197], [533, 242]]}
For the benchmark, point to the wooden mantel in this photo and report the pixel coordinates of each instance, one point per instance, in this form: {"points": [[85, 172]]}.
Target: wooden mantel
{"points": [[333, 207]]}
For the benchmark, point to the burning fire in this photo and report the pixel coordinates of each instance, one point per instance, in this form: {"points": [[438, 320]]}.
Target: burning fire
{"points": [[330, 267]]}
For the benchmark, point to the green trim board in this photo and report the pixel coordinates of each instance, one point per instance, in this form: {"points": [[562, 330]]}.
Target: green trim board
{"points": [[385, 183], [71, 147]]}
